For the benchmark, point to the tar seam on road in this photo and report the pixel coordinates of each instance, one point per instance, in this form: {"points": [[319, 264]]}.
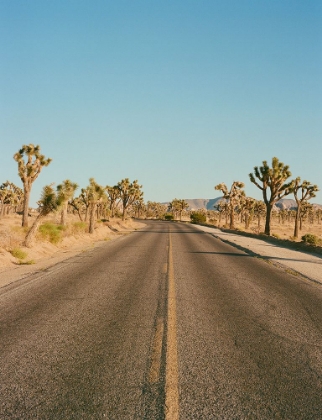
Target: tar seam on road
{"points": [[171, 380]]}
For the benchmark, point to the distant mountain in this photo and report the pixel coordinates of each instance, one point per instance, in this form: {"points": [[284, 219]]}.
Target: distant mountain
{"points": [[209, 203], [202, 203]]}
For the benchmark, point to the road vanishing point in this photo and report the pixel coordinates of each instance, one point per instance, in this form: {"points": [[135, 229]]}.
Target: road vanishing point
{"points": [[167, 322]]}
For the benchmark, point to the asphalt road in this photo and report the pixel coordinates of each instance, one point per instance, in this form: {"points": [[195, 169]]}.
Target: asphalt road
{"points": [[166, 322]]}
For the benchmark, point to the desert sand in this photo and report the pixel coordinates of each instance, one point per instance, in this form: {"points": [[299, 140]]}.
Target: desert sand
{"points": [[73, 238]]}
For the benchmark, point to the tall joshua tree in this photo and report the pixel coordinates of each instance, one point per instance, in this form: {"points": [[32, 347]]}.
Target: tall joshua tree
{"points": [[178, 206], [11, 197], [96, 194], [48, 203], [272, 179], [28, 171], [66, 192], [129, 193], [114, 197], [306, 191], [234, 196]]}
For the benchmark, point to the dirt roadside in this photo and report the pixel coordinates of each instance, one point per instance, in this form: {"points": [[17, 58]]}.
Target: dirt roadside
{"points": [[47, 255]]}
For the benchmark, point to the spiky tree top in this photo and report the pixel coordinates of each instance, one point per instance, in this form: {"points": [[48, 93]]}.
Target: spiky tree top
{"points": [[29, 170], [304, 191], [129, 191], [273, 179], [49, 201], [95, 191], [66, 190]]}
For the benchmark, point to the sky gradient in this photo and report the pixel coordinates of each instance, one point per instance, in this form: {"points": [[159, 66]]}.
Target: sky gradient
{"points": [[181, 95]]}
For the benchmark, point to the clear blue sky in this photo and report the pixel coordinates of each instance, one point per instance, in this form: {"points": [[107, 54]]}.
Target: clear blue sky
{"points": [[181, 95]]}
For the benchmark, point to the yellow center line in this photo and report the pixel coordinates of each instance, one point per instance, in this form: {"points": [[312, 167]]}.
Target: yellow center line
{"points": [[171, 380]]}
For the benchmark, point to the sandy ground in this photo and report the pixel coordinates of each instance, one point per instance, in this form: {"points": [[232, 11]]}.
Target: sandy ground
{"points": [[44, 254]]}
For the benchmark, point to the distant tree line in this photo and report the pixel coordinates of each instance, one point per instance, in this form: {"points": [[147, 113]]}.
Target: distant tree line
{"points": [[94, 201], [275, 184], [125, 199]]}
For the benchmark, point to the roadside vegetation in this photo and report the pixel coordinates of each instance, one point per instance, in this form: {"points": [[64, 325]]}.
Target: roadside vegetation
{"points": [[74, 214]]}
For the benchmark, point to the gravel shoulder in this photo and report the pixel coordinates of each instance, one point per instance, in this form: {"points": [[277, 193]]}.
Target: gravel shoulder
{"points": [[297, 262]]}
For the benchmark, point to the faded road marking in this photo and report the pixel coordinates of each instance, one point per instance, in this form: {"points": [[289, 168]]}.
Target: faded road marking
{"points": [[171, 384]]}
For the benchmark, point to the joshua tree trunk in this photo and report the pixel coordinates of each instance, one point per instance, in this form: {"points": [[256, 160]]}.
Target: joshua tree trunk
{"points": [[297, 221], [25, 213], [92, 218], [32, 231], [269, 208], [232, 219], [63, 215]]}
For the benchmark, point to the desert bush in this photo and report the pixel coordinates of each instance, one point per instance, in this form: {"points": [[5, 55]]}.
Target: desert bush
{"points": [[79, 227], [21, 256], [168, 216], [29, 262], [197, 217], [51, 232], [18, 253], [311, 239], [275, 235]]}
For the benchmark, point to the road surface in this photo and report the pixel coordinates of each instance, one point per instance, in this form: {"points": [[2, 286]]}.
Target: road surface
{"points": [[164, 323]]}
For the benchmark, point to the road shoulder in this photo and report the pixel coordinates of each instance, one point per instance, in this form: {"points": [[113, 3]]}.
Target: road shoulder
{"points": [[297, 262]]}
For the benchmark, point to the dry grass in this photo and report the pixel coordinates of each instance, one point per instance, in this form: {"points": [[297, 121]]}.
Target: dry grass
{"points": [[281, 230], [52, 237]]}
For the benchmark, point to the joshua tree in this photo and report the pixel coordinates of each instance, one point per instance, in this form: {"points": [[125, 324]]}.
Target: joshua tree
{"points": [[234, 197], [306, 191], [138, 207], [306, 212], [155, 210], [248, 205], [78, 205], [259, 211], [66, 192], [178, 206], [48, 203], [223, 210], [318, 213], [29, 171], [84, 197], [129, 192], [95, 194], [114, 197], [273, 179], [11, 197]]}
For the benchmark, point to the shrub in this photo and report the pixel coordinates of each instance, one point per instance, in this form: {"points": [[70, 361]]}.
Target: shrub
{"points": [[311, 239], [28, 262], [275, 235], [51, 232], [18, 253], [198, 217], [79, 227], [168, 216]]}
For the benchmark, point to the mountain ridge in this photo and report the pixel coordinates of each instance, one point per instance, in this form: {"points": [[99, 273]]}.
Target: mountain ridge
{"points": [[209, 203]]}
